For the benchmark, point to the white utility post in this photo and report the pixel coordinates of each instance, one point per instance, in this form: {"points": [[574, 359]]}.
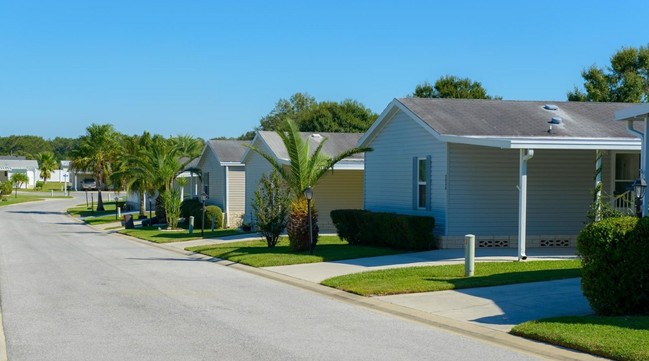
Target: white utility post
{"points": [[525, 155], [469, 255]]}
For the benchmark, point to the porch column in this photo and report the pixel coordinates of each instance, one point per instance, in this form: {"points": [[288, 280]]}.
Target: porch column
{"points": [[644, 164], [525, 155], [598, 184]]}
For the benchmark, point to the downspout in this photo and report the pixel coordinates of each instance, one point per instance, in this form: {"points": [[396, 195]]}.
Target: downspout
{"points": [[226, 199], [643, 156], [525, 155]]}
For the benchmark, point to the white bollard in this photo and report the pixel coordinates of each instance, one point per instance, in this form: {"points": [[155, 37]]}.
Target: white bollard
{"points": [[52, 190], [469, 255]]}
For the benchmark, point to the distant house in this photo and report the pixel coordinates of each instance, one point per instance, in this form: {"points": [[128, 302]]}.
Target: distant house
{"points": [[502, 170], [10, 165], [341, 188], [223, 178]]}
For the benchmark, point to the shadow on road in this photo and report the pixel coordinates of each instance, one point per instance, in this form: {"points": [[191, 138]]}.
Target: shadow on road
{"points": [[37, 212]]}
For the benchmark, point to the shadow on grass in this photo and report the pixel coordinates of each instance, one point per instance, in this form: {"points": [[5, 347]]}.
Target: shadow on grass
{"points": [[508, 278]]}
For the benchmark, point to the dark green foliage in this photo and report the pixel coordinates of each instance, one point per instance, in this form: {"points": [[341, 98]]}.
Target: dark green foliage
{"points": [[194, 207], [213, 213], [385, 229], [615, 274], [39, 184], [450, 86], [271, 207], [298, 225], [625, 80], [348, 116], [6, 187], [348, 223]]}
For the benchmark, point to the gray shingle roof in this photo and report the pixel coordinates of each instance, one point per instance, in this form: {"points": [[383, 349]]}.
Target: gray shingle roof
{"points": [[9, 164], [229, 150], [336, 143], [503, 118]]}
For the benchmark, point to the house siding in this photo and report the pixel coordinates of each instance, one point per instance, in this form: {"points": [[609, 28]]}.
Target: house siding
{"points": [[236, 195], [483, 193], [210, 164], [256, 166], [388, 170], [342, 189]]}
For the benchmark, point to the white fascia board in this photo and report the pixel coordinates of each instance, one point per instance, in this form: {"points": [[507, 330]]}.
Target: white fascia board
{"points": [[638, 112], [350, 165], [231, 164], [547, 143]]}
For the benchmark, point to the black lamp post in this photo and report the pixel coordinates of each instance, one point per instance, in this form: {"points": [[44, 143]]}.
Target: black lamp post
{"points": [[203, 199], [308, 193], [150, 219], [639, 185]]}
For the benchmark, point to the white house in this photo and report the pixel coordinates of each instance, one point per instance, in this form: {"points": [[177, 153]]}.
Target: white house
{"points": [[502, 170], [224, 177], [10, 165], [340, 189]]}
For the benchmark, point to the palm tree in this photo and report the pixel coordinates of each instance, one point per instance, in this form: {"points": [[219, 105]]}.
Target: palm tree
{"points": [[46, 164], [97, 150], [158, 165], [18, 179], [305, 169], [126, 173]]}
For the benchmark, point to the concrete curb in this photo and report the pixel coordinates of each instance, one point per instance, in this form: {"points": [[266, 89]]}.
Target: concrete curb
{"points": [[484, 334], [3, 342]]}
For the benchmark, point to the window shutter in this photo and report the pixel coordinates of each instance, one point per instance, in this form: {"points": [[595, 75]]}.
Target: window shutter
{"points": [[429, 161]]}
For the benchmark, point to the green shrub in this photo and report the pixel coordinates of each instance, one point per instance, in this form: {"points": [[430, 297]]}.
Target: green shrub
{"points": [[271, 205], [6, 187], [213, 213], [615, 272], [190, 207], [358, 226], [348, 222], [39, 184]]}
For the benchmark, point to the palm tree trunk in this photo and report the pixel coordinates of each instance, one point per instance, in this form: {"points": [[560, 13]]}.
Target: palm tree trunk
{"points": [[142, 205]]}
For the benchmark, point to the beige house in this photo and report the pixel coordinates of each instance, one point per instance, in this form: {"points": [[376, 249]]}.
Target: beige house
{"points": [[342, 188], [223, 178]]}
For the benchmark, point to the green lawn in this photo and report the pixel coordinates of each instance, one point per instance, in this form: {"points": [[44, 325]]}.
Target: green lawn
{"points": [[618, 338], [83, 211], [448, 277], [22, 198], [153, 234], [257, 253]]}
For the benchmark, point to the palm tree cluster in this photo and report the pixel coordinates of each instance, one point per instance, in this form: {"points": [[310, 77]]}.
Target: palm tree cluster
{"points": [[147, 164], [305, 169]]}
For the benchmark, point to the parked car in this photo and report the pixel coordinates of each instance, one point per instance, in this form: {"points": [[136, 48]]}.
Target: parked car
{"points": [[89, 184]]}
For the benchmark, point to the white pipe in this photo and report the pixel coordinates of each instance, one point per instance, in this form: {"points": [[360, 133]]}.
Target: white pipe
{"points": [[525, 155]]}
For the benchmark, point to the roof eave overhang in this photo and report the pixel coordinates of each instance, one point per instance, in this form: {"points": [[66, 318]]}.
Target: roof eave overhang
{"points": [[231, 164], [638, 112], [547, 143]]}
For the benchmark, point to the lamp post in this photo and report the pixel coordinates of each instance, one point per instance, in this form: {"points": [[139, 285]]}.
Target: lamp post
{"points": [[150, 219], [639, 185], [203, 199], [308, 193]]}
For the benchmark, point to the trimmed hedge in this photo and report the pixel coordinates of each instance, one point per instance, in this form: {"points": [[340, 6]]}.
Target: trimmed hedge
{"points": [[615, 271], [357, 226], [194, 207]]}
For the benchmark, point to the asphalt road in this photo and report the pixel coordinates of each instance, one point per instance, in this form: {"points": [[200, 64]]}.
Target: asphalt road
{"points": [[68, 292]]}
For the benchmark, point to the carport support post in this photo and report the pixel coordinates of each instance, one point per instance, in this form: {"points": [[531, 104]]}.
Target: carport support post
{"points": [[469, 255], [525, 155]]}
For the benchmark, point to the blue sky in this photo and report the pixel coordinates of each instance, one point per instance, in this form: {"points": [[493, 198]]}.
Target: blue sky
{"points": [[212, 68]]}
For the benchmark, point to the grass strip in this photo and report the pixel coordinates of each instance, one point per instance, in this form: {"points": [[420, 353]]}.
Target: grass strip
{"points": [[257, 253], [22, 198], [617, 338], [153, 234], [448, 277]]}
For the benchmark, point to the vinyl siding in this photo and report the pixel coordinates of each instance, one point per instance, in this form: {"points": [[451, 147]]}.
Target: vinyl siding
{"points": [[342, 189], [389, 168], [209, 163], [236, 194], [483, 193], [256, 166]]}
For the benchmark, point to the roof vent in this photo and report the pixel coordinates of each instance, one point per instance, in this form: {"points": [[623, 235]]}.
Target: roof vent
{"points": [[555, 120], [550, 107]]}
